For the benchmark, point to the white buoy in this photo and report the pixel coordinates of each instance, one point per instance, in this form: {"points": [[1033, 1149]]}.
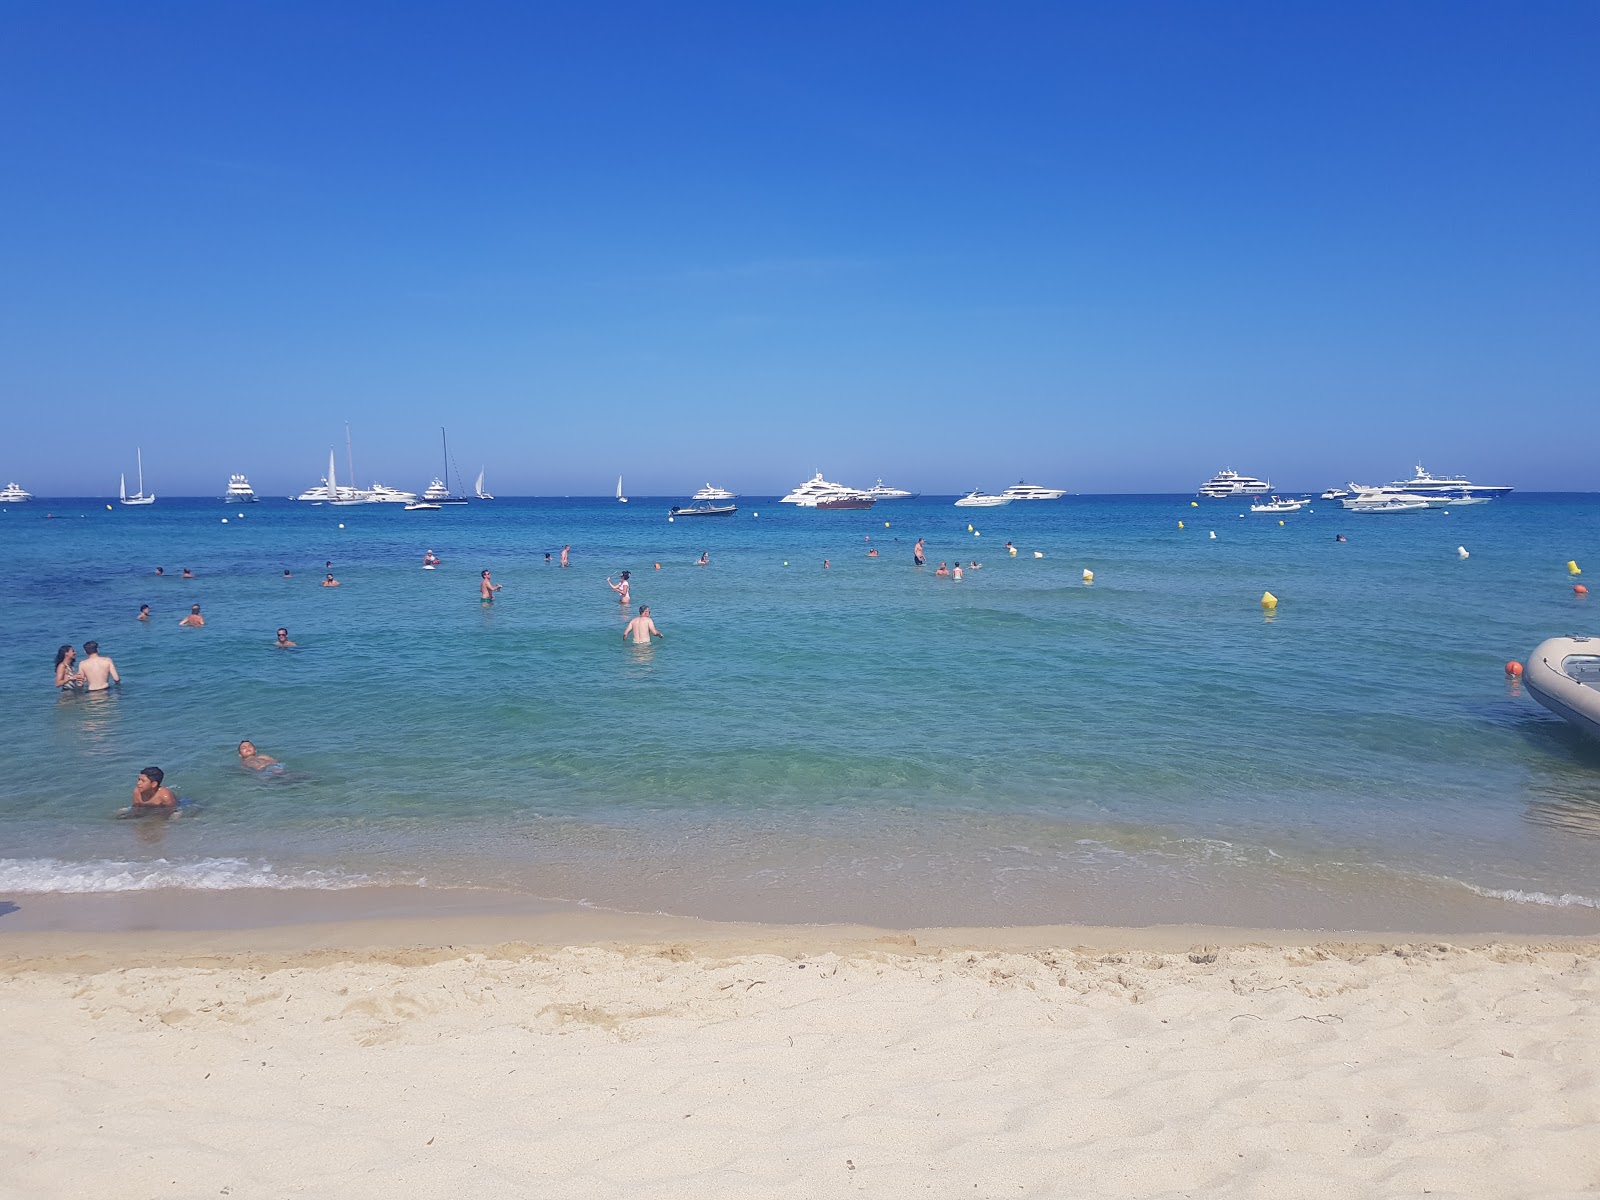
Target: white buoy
{"points": [[670, 520], [224, 520], [1213, 535], [1038, 554], [341, 524], [1462, 551], [241, 514]]}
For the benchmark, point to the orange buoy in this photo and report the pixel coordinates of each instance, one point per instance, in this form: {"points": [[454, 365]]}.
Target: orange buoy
{"points": [[1579, 589], [1513, 669]]}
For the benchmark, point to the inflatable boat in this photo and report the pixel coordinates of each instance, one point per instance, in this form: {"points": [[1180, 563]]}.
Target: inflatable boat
{"points": [[1563, 674]]}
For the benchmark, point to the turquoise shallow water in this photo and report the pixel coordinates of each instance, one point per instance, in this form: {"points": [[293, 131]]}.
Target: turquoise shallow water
{"points": [[863, 743]]}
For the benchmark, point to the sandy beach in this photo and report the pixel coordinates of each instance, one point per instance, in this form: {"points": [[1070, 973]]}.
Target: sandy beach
{"points": [[580, 1054]]}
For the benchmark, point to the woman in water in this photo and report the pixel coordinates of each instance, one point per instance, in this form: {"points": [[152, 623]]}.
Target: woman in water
{"points": [[68, 677], [621, 589]]}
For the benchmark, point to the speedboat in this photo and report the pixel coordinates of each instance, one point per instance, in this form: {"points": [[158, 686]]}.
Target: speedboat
{"points": [[423, 506], [1563, 674], [704, 510], [1279, 505], [239, 491], [1335, 494], [1231, 483], [1424, 484], [1032, 491], [12, 494], [981, 499], [882, 491], [1381, 500], [712, 493], [1459, 500]]}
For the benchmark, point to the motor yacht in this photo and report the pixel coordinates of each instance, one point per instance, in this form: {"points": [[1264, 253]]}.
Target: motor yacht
{"points": [[13, 494], [1279, 505], [1032, 491], [239, 491], [882, 491], [379, 494], [1424, 484], [438, 492], [1231, 483], [1382, 500], [815, 490], [1335, 494], [710, 492], [982, 499]]}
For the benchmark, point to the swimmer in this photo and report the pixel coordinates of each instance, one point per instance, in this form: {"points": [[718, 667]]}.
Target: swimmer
{"points": [[286, 574], [486, 590], [1011, 550], [330, 581], [566, 552], [144, 612], [621, 588], [194, 618], [283, 642], [641, 629], [252, 759], [824, 564], [872, 554], [957, 572], [916, 554], [547, 556], [1338, 537], [68, 677], [188, 574], [430, 559], [98, 671], [150, 791], [704, 559], [943, 570], [160, 571]]}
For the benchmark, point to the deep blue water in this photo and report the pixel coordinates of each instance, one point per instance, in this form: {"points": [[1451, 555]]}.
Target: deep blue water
{"points": [[864, 742]]}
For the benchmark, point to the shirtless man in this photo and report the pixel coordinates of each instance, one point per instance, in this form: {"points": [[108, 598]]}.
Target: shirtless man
{"points": [[161, 571], [486, 590], [942, 571], [565, 554], [188, 574], [916, 553], [330, 581], [150, 792], [144, 612], [252, 759], [621, 588], [872, 554], [283, 642], [99, 672], [641, 629], [194, 618]]}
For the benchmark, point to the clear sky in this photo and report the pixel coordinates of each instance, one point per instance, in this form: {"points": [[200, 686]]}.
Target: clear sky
{"points": [[1110, 247]]}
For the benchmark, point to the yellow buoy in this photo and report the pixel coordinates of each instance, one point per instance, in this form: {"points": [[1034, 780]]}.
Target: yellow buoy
{"points": [[1572, 564], [108, 508], [1180, 524], [969, 528], [886, 524], [1194, 504], [1280, 522], [1013, 549], [1088, 575], [1268, 600]]}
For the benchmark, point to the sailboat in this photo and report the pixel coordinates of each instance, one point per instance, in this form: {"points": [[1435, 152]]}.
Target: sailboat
{"points": [[621, 499], [482, 495], [138, 497], [438, 492], [348, 496]]}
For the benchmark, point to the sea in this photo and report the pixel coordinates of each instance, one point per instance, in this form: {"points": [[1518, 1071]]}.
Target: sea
{"points": [[820, 736]]}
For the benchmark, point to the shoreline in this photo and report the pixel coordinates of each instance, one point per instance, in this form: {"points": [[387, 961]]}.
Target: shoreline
{"points": [[122, 930]]}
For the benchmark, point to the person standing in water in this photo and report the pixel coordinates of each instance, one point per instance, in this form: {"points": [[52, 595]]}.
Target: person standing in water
{"points": [[330, 581], [486, 590], [916, 554], [566, 553], [641, 629], [621, 588], [68, 677], [283, 642], [194, 618], [144, 612], [98, 672]]}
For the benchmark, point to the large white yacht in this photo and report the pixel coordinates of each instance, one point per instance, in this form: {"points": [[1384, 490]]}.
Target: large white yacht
{"points": [[438, 492], [819, 491], [982, 499], [239, 491], [1032, 491], [712, 493], [379, 494], [882, 491], [1231, 483], [1423, 484], [12, 494]]}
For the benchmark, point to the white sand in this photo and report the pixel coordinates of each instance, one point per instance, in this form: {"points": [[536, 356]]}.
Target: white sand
{"points": [[876, 1068]]}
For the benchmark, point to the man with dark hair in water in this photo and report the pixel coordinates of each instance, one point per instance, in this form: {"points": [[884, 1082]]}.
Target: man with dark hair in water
{"points": [[486, 590], [283, 642], [98, 672], [194, 618], [149, 791], [641, 629]]}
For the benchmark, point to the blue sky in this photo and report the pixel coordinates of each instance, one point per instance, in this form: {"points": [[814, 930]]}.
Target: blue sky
{"points": [[1111, 247]]}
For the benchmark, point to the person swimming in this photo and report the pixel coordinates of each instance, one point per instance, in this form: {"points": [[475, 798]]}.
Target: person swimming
{"points": [[283, 642], [151, 796], [144, 612], [942, 571], [252, 759]]}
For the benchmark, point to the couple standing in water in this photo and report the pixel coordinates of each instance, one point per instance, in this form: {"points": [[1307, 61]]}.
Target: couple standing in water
{"points": [[96, 673], [641, 629]]}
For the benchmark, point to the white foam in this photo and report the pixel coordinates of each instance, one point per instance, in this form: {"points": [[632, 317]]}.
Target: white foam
{"points": [[1568, 900], [39, 875]]}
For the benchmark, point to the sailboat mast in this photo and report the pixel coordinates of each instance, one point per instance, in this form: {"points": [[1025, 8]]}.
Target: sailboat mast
{"points": [[444, 444], [139, 453], [349, 458]]}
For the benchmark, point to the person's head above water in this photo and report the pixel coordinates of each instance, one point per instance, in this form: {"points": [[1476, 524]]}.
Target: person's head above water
{"points": [[283, 634], [153, 774], [286, 574], [194, 608], [63, 653], [624, 574], [644, 610], [91, 647], [161, 571], [486, 573], [144, 608], [247, 749]]}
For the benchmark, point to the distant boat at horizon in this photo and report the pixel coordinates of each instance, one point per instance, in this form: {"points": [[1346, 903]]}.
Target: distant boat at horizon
{"points": [[482, 495], [621, 499], [138, 497]]}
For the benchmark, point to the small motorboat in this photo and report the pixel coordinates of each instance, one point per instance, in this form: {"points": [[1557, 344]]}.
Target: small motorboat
{"points": [[1563, 674], [423, 506], [704, 510], [1278, 505], [982, 499], [847, 499]]}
